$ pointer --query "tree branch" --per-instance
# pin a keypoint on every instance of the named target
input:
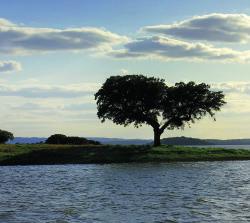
(163, 127)
(153, 123)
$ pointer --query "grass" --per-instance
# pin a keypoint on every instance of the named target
(23, 154)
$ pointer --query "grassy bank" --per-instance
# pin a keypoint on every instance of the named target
(67, 154)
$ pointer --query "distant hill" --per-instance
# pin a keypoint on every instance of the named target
(112, 141)
(185, 141)
(195, 141)
(27, 140)
(120, 141)
(168, 141)
(229, 141)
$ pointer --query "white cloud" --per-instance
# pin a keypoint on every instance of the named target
(55, 105)
(124, 71)
(36, 90)
(233, 87)
(72, 104)
(6, 23)
(16, 39)
(80, 107)
(172, 49)
(211, 27)
(10, 66)
(45, 111)
(237, 96)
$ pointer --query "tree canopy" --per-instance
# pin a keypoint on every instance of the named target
(5, 136)
(141, 100)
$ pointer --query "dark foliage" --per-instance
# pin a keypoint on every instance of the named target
(130, 99)
(70, 140)
(75, 140)
(5, 136)
(57, 139)
(147, 100)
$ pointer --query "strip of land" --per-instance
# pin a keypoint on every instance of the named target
(39, 154)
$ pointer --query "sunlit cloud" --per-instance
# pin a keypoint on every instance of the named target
(171, 49)
(6, 23)
(16, 39)
(233, 87)
(212, 27)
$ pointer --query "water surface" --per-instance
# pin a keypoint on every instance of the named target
(144, 193)
(223, 146)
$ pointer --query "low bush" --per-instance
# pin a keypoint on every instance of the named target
(5, 136)
(69, 140)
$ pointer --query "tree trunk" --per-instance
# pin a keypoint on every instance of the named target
(157, 137)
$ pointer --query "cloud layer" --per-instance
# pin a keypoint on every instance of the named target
(48, 91)
(233, 87)
(167, 48)
(10, 66)
(237, 96)
(15, 39)
(211, 27)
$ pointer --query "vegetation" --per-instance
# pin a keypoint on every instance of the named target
(5, 136)
(71, 154)
(147, 100)
(57, 139)
(69, 140)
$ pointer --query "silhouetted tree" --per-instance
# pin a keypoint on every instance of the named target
(147, 100)
(5, 136)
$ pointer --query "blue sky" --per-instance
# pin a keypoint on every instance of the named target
(55, 54)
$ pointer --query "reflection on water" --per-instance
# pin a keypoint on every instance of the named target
(172, 192)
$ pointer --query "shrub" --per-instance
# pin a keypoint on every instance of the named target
(74, 140)
(5, 136)
(57, 139)
(69, 140)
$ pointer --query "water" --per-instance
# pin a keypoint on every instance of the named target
(145, 193)
(224, 146)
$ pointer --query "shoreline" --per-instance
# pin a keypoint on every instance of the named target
(44, 154)
(130, 162)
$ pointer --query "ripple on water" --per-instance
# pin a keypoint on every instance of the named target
(173, 192)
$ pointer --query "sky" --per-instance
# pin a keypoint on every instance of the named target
(54, 55)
